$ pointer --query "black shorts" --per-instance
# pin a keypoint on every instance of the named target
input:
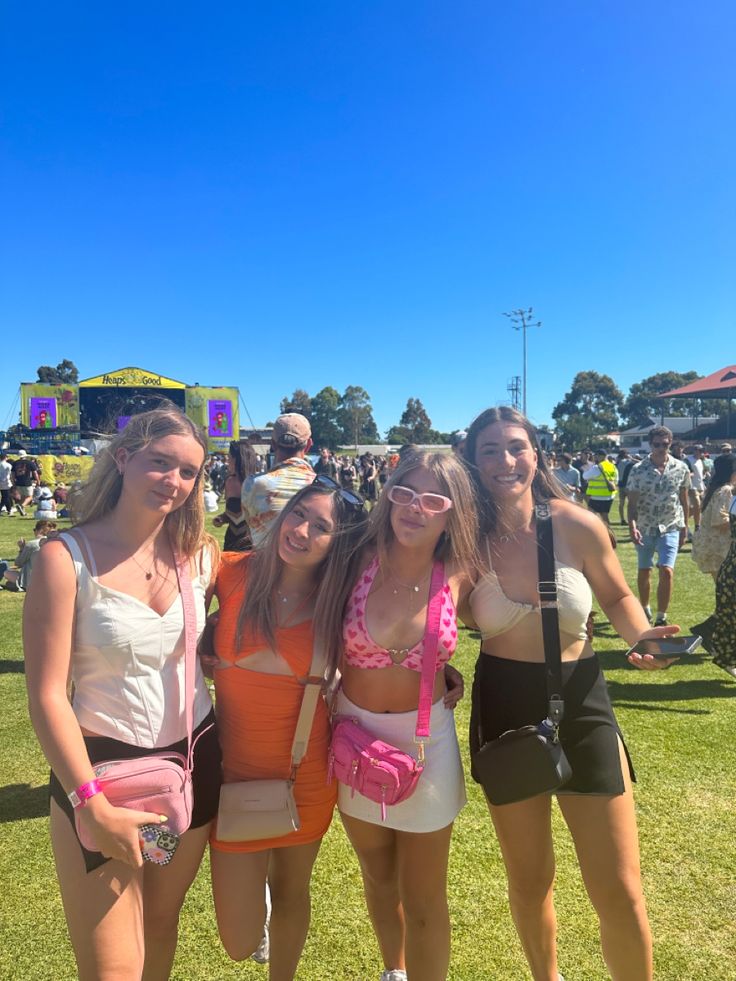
(600, 505)
(511, 694)
(206, 775)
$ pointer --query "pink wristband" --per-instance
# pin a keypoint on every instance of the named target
(80, 796)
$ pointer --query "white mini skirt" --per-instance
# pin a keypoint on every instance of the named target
(440, 793)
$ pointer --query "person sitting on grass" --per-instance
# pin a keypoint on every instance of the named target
(18, 578)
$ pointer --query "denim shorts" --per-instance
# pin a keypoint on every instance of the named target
(665, 545)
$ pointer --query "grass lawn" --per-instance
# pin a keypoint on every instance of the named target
(679, 728)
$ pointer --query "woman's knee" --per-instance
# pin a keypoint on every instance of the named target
(241, 940)
(530, 888)
(620, 897)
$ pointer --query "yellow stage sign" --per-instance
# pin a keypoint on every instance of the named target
(55, 469)
(131, 378)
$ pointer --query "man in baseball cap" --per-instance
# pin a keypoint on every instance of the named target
(264, 495)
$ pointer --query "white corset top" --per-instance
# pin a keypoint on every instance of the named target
(127, 661)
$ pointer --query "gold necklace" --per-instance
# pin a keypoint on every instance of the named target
(406, 585)
(149, 574)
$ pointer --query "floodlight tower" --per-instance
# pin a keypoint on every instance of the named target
(522, 320)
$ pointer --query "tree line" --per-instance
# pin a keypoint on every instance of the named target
(347, 419)
(595, 405)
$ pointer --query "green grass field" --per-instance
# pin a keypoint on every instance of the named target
(678, 725)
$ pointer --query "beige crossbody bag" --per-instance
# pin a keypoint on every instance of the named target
(251, 810)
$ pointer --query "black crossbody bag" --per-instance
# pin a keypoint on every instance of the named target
(525, 762)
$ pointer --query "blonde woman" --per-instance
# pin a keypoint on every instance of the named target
(425, 516)
(104, 609)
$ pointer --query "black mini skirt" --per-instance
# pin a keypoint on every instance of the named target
(206, 775)
(511, 694)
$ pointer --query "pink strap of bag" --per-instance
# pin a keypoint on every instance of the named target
(372, 767)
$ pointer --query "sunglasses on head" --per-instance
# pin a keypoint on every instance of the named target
(349, 497)
(432, 503)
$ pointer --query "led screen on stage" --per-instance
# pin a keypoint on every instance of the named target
(220, 414)
(43, 413)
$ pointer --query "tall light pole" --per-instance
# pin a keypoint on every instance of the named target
(522, 320)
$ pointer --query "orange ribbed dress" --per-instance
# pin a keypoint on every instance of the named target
(257, 714)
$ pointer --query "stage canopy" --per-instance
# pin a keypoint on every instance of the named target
(102, 406)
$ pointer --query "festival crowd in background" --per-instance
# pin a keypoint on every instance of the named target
(341, 584)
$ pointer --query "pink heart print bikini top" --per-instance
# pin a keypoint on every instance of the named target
(362, 651)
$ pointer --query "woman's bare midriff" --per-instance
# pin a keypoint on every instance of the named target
(392, 689)
(524, 643)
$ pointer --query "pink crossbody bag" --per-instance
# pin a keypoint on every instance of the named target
(372, 767)
(162, 782)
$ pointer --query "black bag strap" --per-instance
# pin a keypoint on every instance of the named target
(547, 588)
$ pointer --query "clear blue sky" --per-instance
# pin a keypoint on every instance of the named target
(283, 195)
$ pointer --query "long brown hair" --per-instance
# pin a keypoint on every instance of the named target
(101, 492)
(334, 577)
(458, 542)
(545, 486)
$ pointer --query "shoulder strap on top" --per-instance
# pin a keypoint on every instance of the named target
(429, 651)
(88, 549)
(83, 559)
(547, 588)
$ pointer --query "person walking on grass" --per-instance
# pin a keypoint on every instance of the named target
(657, 492)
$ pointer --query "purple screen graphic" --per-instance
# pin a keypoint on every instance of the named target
(220, 417)
(43, 413)
(123, 422)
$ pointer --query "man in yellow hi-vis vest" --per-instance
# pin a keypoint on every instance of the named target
(601, 484)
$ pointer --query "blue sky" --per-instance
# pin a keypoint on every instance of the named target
(291, 195)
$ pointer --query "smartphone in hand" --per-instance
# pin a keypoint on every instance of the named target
(158, 843)
(663, 648)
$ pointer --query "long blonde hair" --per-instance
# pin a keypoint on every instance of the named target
(334, 577)
(458, 543)
(100, 494)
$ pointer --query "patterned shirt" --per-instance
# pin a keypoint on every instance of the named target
(659, 508)
(266, 494)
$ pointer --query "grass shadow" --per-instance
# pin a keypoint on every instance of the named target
(674, 689)
(20, 801)
(12, 666)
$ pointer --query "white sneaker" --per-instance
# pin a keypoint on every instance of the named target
(395, 974)
(263, 951)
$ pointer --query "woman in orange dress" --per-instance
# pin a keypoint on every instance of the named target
(273, 603)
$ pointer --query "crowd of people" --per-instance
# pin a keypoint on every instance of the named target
(340, 591)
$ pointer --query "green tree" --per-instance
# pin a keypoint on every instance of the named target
(299, 402)
(323, 417)
(355, 417)
(642, 402)
(415, 426)
(591, 408)
(65, 373)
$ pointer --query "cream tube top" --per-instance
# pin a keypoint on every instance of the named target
(127, 661)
